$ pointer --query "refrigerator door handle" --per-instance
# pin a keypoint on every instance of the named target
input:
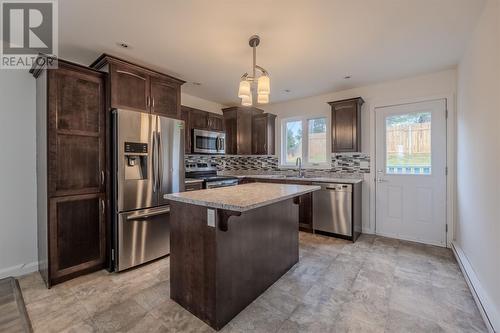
(154, 162)
(160, 159)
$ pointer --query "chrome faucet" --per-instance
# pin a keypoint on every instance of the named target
(298, 162)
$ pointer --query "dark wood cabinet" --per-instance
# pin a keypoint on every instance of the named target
(305, 201)
(215, 122)
(193, 186)
(76, 235)
(346, 125)
(238, 126)
(199, 119)
(139, 88)
(129, 87)
(186, 115)
(263, 130)
(71, 171)
(165, 97)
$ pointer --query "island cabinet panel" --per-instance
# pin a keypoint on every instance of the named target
(346, 125)
(215, 274)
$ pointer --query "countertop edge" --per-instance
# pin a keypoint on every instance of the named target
(174, 197)
(312, 179)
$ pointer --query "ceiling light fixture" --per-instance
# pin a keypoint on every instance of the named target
(248, 81)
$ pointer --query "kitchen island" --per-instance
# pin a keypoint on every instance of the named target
(229, 244)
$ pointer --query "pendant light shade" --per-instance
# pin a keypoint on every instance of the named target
(247, 100)
(264, 85)
(263, 99)
(244, 90)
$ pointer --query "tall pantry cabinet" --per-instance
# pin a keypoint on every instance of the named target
(71, 170)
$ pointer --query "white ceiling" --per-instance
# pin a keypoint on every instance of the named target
(307, 46)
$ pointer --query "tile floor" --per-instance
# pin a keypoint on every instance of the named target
(375, 285)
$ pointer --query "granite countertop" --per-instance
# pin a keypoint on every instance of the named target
(192, 180)
(242, 198)
(305, 179)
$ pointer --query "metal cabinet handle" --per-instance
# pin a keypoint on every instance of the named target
(148, 101)
(103, 206)
(102, 177)
(131, 74)
(153, 102)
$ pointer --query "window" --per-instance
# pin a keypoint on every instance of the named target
(408, 144)
(306, 138)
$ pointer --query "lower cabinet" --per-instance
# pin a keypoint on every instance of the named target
(76, 235)
(305, 201)
(193, 186)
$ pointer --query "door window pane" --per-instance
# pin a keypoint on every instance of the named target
(293, 137)
(408, 144)
(316, 145)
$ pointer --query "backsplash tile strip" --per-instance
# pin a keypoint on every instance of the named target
(348, 163)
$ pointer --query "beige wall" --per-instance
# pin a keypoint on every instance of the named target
(18, 239)
(478, 158)
(200, 103)
(440, 84)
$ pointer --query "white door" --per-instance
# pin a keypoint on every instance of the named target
(411, 172)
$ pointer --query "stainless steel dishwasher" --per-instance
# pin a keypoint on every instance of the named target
(335, 212)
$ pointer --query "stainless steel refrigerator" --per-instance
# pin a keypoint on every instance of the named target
(148, 162)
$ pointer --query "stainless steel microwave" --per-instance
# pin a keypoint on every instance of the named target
(208, 142)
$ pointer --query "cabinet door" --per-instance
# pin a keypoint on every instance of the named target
(345, 127)
(129, 88)
(259, 136)
(305, 212)
(244, 143)
(77, 235)
(215, 122)
(231, 129)
(76, 133)
(199, 119)
(185, 115)
(165, 98)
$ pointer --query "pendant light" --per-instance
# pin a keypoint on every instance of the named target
(247, 82)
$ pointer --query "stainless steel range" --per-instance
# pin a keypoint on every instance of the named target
(208, 173)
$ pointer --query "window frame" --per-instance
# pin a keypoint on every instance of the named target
(305, 140)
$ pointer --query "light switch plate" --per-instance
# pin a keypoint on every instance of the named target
(211, 217)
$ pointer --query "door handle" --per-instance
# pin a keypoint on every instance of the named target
(148, 214)
(381, 180)
(154, 162)
(159, 163)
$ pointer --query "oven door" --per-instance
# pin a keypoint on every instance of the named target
(208, 142)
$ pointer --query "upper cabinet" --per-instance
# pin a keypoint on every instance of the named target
(141, 89)
(199, 119)
(238, 125)
(249, 131)
(263, 128)
(346, 125)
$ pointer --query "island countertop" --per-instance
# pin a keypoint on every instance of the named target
(242, 198)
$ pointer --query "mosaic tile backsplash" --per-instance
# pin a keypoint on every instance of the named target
(352, 163)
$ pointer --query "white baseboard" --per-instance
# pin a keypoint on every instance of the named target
(19, 270)
(487, 308)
